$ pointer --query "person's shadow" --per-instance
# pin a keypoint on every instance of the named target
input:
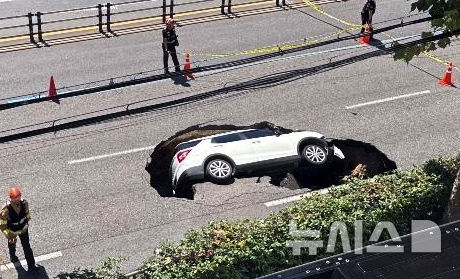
(39, 273)
(180, 80)
(378, 44)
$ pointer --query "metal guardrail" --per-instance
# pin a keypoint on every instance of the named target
(99, 18)
(15, 26)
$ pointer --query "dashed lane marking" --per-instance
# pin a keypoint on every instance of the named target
(389, 99)
(94, 158)
(294, 198)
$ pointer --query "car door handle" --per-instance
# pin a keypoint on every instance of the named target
(257, 141)
(218, 145)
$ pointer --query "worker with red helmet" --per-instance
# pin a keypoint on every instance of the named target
(14, 222)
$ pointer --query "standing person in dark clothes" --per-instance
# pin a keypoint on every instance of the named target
(14, 222)
(366, 15)
(169, 45)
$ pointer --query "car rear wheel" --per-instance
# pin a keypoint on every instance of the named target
(314, 154)
(219, 170)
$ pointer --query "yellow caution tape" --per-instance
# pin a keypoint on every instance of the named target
(306, 41)
(437, 58)
(286, 46)
(321, 11)
(280, 47)
(318, 9)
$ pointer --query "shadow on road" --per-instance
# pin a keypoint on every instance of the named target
(39, 273)
(180, 80)
(378, 44)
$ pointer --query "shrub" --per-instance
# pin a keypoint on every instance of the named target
(251, 248)
(109, 269)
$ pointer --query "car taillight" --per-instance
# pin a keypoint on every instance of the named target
(182, 155)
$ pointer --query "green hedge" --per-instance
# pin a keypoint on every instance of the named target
(251, 248)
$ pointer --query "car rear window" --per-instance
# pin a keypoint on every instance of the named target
(186, 145)
(226, 138)
(258, 133)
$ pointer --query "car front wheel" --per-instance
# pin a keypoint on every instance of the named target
(314, 154)
(219, 170)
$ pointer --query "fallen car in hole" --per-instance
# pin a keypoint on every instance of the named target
(221, 157)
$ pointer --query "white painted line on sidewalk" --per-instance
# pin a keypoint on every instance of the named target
(5, 1)
(285, 200)
(294, 198)
(94, 158)
(41, 258)
(389, 99)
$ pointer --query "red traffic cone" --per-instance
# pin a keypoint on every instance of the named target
(52, 92)
(447, 77)
(366, 39)
(188, 67)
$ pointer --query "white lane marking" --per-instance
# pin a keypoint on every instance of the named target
(294, 198)
(5, 1)
(285, 200)
(94, 158)
(389, 99)
(41, 258)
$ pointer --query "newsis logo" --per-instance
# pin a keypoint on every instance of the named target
(425, 238)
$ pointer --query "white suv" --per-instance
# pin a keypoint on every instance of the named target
(220, 157)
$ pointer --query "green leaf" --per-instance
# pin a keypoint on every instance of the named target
(444, 42)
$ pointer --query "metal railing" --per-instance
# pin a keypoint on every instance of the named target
(103, 17)
(25, 26)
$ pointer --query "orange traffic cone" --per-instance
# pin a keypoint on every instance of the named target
(447, 77)
(188, 67)
(366, 39)
(52, 92)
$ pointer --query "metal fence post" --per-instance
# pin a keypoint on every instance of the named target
(108, 18)
(222, 7)
(39, 24)
(99, 15)
(284, 3)
(31, 28)
(164, 11)
(171, 9)
(277, 3)
(229, 7)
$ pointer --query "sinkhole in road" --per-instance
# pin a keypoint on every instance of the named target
(361, 160)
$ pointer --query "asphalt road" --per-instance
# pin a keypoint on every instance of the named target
(90, 196)
(18, 7)
(103, 59)
(22, 7)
